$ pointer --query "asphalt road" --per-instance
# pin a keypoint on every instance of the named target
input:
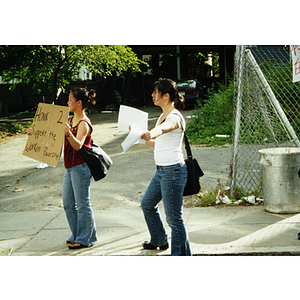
(23, 187)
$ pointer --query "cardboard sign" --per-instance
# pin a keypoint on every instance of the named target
(47, 137)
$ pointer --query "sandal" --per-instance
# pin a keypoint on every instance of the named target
(76, 245)
(68, 241)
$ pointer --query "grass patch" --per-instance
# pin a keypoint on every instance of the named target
(11, 129)
(220, 196)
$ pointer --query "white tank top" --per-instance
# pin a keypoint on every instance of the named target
(168, 146)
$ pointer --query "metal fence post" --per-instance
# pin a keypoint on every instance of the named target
(272, 98)
(266, 109)
(240, 63)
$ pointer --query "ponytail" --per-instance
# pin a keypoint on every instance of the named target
(179, 101)
(92, 96)
(86, 97)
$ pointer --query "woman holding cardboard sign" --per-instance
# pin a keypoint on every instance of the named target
(77, 176)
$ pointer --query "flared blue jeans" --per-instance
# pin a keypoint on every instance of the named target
(167, 184)
(77, 205)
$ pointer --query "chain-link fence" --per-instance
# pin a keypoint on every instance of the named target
(267, 107)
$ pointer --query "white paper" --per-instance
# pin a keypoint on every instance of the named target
(134, 137)
(128, 116)
(42, 166)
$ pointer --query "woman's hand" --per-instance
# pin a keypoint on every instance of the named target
(29, 131)
(146, 135)
(67, 129)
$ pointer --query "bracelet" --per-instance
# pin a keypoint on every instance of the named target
(68, 135)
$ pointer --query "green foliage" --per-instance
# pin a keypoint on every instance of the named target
(57, 65)
(106, 60)
(204, 199)
(214, 117)
(209, 197)
(281, 82)
(12, 129)
(279, 77)
(208, 60)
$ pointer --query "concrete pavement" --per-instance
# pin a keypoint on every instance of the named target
(33, 222)
(212, 231)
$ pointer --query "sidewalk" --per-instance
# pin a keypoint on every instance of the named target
(212, 231)
(33, 222)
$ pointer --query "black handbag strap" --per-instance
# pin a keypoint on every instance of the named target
(186, 141)
(189, 151)
(187, 147)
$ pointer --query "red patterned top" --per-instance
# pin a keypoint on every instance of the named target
(71, 156)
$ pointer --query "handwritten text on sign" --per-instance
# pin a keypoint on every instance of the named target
(46, 140)
(295, 51)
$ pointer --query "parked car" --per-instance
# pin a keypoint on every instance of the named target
(192, 90)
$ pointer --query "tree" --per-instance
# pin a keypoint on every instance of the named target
(57, 65)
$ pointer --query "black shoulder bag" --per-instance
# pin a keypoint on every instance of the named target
(97, 160)
(194, 171)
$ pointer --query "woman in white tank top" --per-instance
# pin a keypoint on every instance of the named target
(171, 173)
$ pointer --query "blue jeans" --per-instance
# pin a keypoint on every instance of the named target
(168, 184)
(77, 205)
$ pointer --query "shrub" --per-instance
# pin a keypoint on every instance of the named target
(213, 117)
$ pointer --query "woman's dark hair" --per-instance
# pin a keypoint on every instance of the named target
(86, 97)
(165, 85)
